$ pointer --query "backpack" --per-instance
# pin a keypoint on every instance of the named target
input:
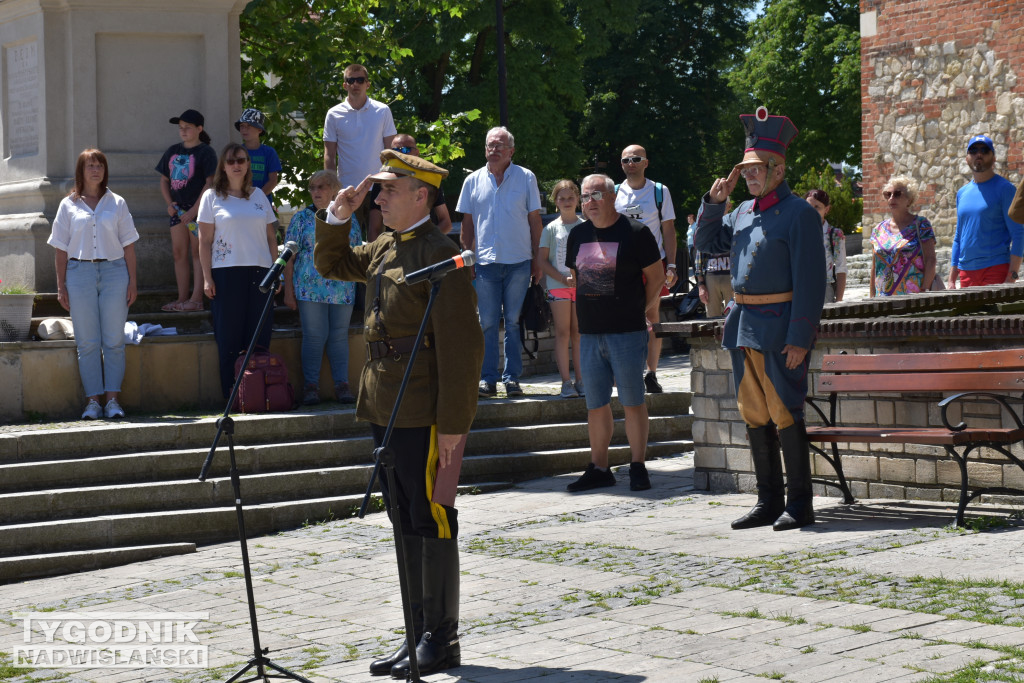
(659, 197)
(265, 387)
(535, 317)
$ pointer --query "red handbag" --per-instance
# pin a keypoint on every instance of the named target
(265, 387)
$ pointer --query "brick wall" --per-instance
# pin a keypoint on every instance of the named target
(934, 72)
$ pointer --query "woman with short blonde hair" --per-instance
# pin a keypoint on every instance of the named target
(903, 245)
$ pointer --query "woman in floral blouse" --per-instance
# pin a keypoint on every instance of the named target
(903, 245)
(325, 306)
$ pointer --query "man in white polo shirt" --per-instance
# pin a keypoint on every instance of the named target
(355, 132)
(649, 203)
(500, 207)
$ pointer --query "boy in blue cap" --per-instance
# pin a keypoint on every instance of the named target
(263, 160)
(778, 280)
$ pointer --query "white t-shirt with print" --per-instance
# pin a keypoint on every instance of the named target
(641, 205)
(240, 235)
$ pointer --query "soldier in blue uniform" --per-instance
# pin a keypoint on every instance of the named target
(778, 280)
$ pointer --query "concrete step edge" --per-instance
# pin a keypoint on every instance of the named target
(117, 469)
(51, 564)
(264, 488)
(130, 437)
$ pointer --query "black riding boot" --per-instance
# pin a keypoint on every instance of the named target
(764, 448)
(800, 499)
(439, 648)
(414, 573)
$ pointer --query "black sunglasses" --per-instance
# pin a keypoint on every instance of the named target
(356, 79)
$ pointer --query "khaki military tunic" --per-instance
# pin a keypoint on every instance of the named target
(443, 388)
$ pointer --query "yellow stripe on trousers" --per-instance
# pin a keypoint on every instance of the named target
(437, 510)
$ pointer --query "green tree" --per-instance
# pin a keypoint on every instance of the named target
(294, 53)
(846, 211)
(804, 62)
(661, 85)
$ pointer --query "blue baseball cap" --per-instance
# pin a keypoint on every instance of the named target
(983, 139)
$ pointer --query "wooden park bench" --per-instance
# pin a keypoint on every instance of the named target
(987, 376)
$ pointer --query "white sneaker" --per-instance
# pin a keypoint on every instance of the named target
(568, 390)
(93, 411)
(113, 409)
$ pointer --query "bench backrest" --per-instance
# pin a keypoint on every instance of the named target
(1001, 370)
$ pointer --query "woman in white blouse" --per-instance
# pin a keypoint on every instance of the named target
(95, 236)
(237, 244)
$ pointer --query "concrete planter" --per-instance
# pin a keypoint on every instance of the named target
(15, 317)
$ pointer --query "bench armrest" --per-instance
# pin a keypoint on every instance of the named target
(1001, 399)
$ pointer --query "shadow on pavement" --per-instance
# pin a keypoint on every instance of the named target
(472, 673)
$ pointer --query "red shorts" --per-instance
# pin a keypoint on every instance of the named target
(993, 275)
(664, 268)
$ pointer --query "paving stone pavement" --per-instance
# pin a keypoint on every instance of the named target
(601, 586)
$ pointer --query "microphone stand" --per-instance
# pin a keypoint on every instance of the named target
(385, 457)
(226, 425)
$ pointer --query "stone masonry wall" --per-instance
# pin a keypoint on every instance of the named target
(933, 73)
(722, 457)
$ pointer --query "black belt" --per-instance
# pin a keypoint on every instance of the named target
(394, 347)
(89, 260)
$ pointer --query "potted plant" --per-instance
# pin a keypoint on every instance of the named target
(15, 312)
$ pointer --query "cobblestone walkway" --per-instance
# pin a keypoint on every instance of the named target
(606, 586)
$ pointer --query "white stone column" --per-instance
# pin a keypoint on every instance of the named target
(109, 74)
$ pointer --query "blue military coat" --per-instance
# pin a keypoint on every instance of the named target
(775, 244)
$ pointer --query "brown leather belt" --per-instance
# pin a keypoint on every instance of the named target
(395, 348)
(760, 299)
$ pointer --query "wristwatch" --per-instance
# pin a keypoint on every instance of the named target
(1013, 274)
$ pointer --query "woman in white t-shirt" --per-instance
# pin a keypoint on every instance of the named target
(237, 244)
(566, 196)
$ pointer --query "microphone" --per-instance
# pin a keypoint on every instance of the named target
(439, 270)
(270, 279)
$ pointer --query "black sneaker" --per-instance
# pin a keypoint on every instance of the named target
(592, 478)
(651, 383)
(513, 389)
(638, 479)
(488, 389)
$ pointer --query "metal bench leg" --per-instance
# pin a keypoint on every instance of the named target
(961, 461)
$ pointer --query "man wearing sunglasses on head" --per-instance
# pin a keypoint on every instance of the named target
(406, 144)
(650, 203)
(355, 132)
(988, 243)
(778, 281)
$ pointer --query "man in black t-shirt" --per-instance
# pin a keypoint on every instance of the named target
(616, 269)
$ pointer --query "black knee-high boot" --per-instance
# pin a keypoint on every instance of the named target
(764, 449)
(439, 648)
(414, 573)
(800, 498)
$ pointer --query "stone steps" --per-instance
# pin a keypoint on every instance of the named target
(101, 495)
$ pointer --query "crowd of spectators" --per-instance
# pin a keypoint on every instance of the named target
(224, 233)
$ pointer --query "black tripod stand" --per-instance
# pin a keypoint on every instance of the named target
(385, 457)
(226, 425)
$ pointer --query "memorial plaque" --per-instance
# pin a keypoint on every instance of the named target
(22, 79)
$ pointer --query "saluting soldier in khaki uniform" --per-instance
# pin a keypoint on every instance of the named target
(440, 401)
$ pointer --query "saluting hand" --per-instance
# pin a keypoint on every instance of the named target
(349, 199)
(723, 187)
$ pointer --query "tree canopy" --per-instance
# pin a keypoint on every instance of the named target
(804, 61)
(585, 79)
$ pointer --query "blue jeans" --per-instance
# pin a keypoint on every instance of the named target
(98, 295)
(500, 291)
(619, 358)
(324, 325)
